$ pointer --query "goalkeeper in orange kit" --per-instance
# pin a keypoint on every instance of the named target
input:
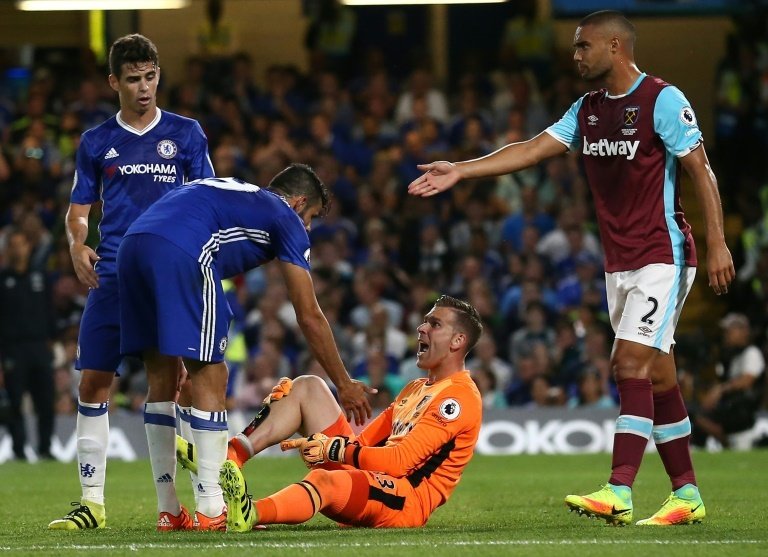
(401, 467)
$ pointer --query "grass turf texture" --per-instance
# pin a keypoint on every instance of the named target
(510, 505)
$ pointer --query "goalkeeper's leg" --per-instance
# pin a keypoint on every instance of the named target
(304, 405)
(335, 492)
(347, 496)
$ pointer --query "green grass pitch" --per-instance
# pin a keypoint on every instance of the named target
(511, 505)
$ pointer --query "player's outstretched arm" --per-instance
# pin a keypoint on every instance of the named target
(83, 257)
(442, 175)
(352, 394)
(720, 269)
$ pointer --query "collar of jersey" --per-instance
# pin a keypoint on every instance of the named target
(133, 130)
(635, 85)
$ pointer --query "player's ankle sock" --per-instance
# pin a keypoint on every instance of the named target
(160, 426)
(623, 491)
(688, 491)
(672, 433)
(92, 432)
(633, 429)
(185, 428)
(210, 435)
(294, 504)
(239, 450)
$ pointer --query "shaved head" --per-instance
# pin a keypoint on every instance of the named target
(615, 24)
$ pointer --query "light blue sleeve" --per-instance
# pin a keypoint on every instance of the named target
(566, 130)
(675, 122)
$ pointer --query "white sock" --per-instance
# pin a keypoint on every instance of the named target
(185, 429)
(92, 431)
(160, 425)
(210, 432)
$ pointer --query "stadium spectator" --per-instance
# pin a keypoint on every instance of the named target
(591, 393)
(730, 406)
(643, 364)
(484, 356)
(26, 335)
(485, 381)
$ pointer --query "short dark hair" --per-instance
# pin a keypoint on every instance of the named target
(467, 318)
(300, 179)
(610, 17)
(131, 49)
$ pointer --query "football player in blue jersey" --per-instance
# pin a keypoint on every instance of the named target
(170, 267)
(127, 162)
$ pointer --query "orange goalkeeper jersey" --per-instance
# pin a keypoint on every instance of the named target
(427, 435)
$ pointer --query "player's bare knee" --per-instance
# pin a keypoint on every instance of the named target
(306, 386)
(94, 386)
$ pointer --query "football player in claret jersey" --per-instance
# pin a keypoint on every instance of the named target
(170, 267)
(634, 134)
(127, 163)
(401, 467)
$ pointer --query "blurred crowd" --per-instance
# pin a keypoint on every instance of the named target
(523, 248)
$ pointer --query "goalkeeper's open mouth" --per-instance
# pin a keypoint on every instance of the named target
(423, 347)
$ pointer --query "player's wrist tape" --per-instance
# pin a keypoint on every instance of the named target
(352, 455)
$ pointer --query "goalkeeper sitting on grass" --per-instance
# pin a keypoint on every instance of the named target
(402, 466)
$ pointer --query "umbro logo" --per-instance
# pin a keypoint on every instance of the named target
(111, 154)
(592, 120)
(165, 479)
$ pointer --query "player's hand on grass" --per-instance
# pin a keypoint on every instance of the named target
(438, 177)
(318, 448)
(353, 398)
(83, 260)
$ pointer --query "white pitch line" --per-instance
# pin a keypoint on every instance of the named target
(353, 545)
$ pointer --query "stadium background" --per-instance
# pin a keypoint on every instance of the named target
(381, 258)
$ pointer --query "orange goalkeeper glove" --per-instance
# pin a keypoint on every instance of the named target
(318, 448)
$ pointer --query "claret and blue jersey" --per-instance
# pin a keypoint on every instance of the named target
(130, 169)
(630, 146)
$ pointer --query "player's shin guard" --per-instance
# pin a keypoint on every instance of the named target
(92, 431)
(672, 433)
(210, 432)
(633, 429)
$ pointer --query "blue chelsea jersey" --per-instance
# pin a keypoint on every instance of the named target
(130, 169)
(228, 224)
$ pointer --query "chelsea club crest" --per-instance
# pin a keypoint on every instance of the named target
(167, 149)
